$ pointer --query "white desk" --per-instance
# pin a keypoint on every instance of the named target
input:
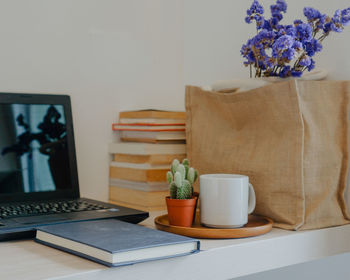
(220, 259)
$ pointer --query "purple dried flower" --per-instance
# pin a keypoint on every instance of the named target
(288, 54)
(313, 47)
(277, 47)
(287, 30)
(255, 12)
(284, 42)
(247, 52)
(248, 20)
(297, 22)
(282, 47)
(315, 16)
(320, 22)
(282, 5)
(345, 17)
(274, 21)
(311, 66)
(255, 8)
(276, 12)
(267, 25)
(297, 45)
(311, 13)
(285, 72)
(327, 27)
(304, 32)
(306, 61)
(269, 62)
(297, 74)
(279, 8)
(335, 25)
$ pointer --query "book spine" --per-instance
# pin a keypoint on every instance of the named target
(152, 114)
(151, 141)
(150, 199)
(139, 175)
(140, 186)
(143, 166)
(146, 149)
(149, 124)
(74, 252)
(117, 127)
(151, 159)
(137, 206)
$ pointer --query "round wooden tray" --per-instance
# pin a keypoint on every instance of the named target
(257, 225)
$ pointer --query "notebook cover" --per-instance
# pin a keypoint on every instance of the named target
(113, 236)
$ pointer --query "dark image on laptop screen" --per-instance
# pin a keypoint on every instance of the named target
(33, 148)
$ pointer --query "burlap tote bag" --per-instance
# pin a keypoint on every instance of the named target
(290, 138)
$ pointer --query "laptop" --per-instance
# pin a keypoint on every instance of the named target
(38, 169)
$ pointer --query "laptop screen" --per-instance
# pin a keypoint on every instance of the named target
(34, 153)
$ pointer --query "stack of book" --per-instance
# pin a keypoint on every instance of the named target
(151, 126)
(150, 141)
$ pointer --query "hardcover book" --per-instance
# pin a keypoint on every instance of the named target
(151, 159)
(137, 206)
(115, 243)
(140, 186)
(139, 165)
(151, 121)
(138, 175)
(146, 148)
(154, 114)
(138, 197)
(153, 136)
(148, 127)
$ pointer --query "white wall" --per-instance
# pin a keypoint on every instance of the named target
(108, 55)
(113, 55)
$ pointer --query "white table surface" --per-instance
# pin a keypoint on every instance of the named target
(219, 259)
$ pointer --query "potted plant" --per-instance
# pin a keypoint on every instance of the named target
(182, 201)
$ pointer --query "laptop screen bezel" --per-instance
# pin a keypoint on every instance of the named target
(48, 99)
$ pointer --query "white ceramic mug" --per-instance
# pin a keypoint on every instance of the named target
(225, 200)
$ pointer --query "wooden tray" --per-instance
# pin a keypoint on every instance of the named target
(256, 226)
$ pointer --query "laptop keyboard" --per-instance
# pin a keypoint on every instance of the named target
(44, 208)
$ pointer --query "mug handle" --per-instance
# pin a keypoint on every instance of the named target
(252, 199)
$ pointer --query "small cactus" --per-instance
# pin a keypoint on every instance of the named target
(169, 177)
(181, 179)
(173, 190)
(191, 175)
(174, 165)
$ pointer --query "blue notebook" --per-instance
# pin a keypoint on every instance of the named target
(115, 243)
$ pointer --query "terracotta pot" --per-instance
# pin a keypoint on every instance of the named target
(181, 211)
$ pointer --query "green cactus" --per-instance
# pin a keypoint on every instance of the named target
(173, 190)
(181, 179)
(178, 179)
(169, 177)
(174, 165)
(185, 192)
(191, 175)
(182, 170)
(186, 170)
